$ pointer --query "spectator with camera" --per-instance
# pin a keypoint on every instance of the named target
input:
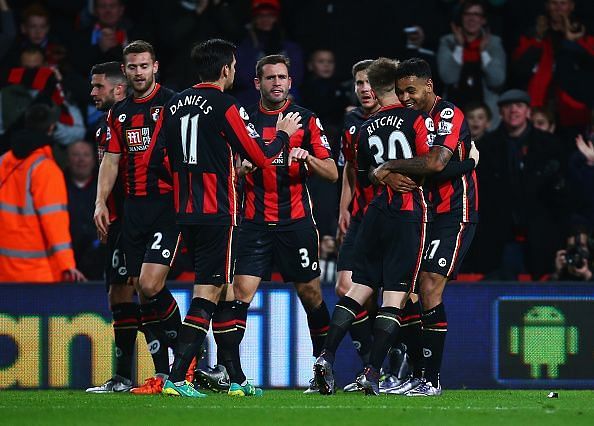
(574, 262)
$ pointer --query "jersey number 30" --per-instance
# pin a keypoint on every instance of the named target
(395, 136)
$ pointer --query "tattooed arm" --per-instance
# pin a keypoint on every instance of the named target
(432, 162)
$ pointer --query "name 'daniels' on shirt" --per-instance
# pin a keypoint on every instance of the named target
(196, 100)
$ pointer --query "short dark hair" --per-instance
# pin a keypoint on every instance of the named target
(40, 117)
(112, 70)
(472, 106)
(381, 74)
(467, 4)
(212, 55)
(272, 60)
(361, 66)
(414, 67)
(32, 49)
(139, 46)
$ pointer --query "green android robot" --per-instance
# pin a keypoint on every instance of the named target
(544, 339)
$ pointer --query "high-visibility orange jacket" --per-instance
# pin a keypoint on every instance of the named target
(35, 242)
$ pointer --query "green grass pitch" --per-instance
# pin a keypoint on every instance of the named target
(283, 408)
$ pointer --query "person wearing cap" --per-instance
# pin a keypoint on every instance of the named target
(35, 242)
(522, 194)
(265, 36)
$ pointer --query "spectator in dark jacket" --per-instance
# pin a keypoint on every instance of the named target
(522, 194)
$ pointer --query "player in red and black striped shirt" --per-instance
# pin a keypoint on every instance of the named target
(278, 227)
(355, 196)
(108, 87)
(454, 192)
(391, 238)
(202, 130)
(150, 234)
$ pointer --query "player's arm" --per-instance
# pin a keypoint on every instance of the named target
(108, 173)
(427, 163)
(242, 134)
(155, 157)
(349, 178)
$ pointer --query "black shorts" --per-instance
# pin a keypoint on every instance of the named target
(389, 251)
(212, 249)
(294, 252)
(116, 272)
(150, 233)
(346, 254)
(446, 246)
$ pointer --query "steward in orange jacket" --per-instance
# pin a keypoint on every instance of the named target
(35, 242)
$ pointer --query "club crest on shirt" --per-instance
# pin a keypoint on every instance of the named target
(252, 132)
(155, 111)
(138, 139)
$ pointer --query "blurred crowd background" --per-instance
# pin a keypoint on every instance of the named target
(536, 173)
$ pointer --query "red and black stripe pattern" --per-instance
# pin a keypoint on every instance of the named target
(457, 197)
(44, 82)
(365, 191)
(115, 201)
(278, 195)
(131, 124)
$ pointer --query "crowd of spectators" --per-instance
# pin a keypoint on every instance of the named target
(521, 71)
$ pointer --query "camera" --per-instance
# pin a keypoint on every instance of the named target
(576, 254)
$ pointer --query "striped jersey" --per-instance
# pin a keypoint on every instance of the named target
(202, 130)
(278, 195)
(457, 197)
(131, 125)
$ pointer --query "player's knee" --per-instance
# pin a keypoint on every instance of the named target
(431, 289)
(121, 293)
(151, 282)
(343, 283)
(310, 293)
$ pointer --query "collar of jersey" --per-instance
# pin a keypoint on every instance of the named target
(437, 99)
(149, 97)
(273, 111)
(389, 107)
(207, 86)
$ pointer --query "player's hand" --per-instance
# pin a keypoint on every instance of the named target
(474, 153)
(298, 154)
(246, 168)
(101, 218)
(586, 148)
(381, 173)
(400, 183)
(289, 123)
(344, 220)
(73, 275)
(560, 261)
(101, 237)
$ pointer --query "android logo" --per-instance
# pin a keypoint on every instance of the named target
(544, 339)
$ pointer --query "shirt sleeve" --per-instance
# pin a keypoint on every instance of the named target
(448, 126)
(242, 135)
(320, 148)
(113, 142)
